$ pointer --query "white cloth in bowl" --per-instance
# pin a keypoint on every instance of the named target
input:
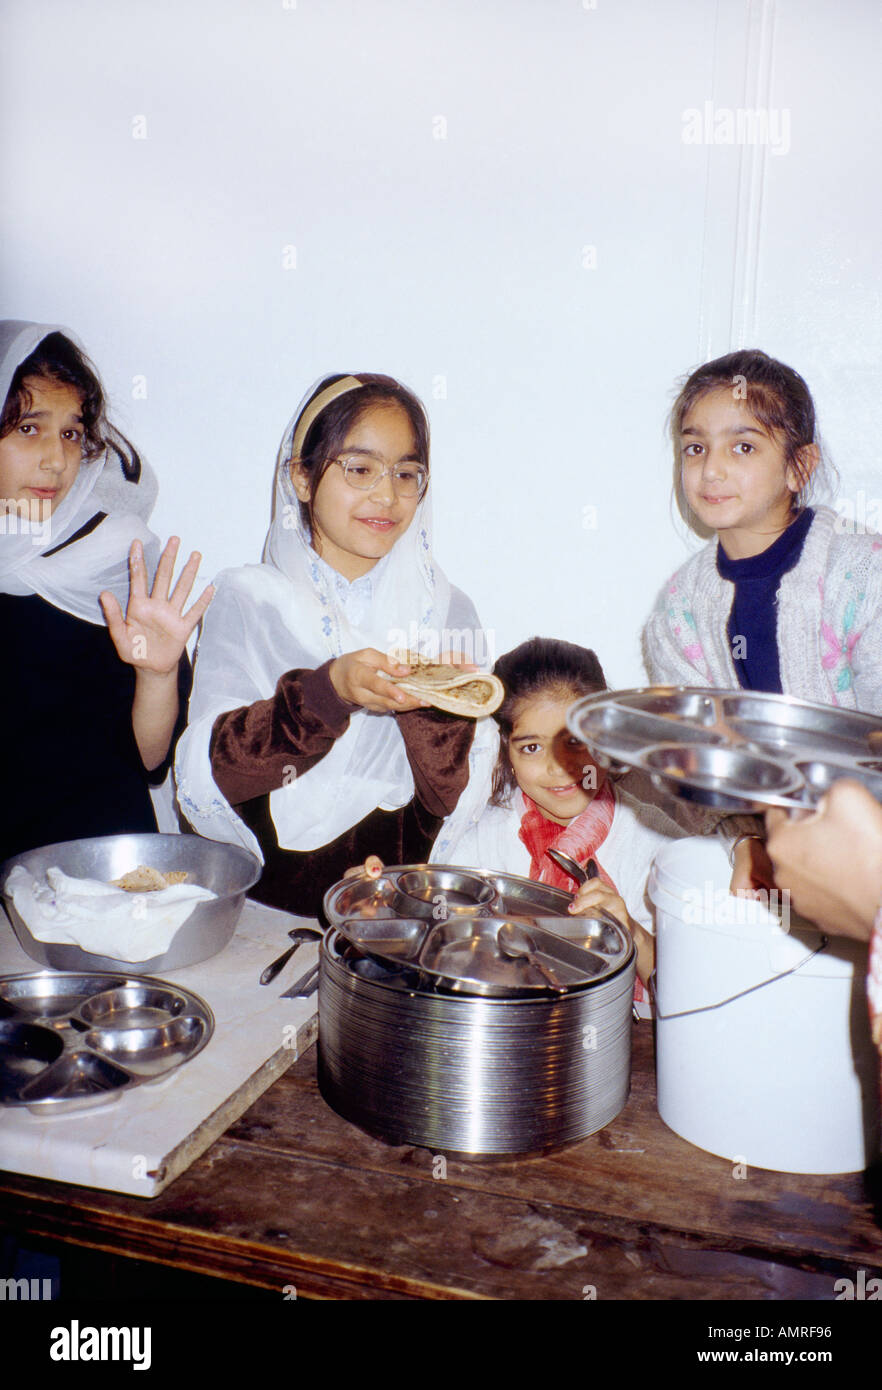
(99, 918)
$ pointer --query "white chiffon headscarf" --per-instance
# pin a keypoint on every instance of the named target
(286, 614)
(73, 578)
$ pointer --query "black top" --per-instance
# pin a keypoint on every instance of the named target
(753, 621)
(69, 766)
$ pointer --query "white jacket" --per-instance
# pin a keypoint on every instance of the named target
(639, 829)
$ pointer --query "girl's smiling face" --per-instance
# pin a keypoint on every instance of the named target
(550, 764)
(352, 529)
(41, 456)
(736, 477)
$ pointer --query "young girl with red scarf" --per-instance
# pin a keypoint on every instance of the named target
(545, 792)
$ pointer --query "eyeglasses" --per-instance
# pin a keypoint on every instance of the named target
(365, 472)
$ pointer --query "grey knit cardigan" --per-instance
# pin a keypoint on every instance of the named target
(829, 624)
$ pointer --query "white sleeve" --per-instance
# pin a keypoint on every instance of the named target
(220, 682)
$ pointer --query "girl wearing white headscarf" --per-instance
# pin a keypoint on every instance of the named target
(298, 747)
(94, 662)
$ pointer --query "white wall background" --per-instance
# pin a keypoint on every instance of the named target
(441, 170)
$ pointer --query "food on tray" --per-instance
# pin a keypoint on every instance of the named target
(147, 880)
(471, 694)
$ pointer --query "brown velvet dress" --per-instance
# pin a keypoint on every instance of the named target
(258, 748)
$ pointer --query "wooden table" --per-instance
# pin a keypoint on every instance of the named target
(295, 1201)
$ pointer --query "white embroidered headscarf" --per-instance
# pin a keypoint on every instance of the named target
(118, 483)
(295, 612)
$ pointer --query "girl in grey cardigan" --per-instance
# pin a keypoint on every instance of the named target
(786, 598)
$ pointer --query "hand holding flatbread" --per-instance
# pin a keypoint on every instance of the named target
(469, 694)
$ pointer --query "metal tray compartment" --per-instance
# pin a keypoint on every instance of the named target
(68, 1041)
(436, 892)
(426, 891)
(477, 933)
(468, 954)
(736, 750)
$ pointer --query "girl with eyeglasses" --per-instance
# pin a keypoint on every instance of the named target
(298, 746)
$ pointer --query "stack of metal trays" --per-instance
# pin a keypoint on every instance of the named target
(70, 1041)
(739, 750)
(472, 1034)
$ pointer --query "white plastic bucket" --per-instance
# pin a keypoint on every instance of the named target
(784, 1076)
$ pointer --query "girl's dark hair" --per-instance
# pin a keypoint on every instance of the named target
(327, 433)
(542, 666)
(57, 359)
(775, 395)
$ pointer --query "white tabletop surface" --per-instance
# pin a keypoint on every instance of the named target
(142, 1140)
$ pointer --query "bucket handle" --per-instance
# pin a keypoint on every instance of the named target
(705, 1008)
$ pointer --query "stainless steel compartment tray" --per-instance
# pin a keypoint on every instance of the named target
(437, 892)
(459, 950)
(738, 750)
(71, 1041)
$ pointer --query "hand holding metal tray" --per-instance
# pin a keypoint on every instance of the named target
(738, 750)
(440, 925)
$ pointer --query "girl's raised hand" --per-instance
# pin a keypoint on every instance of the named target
(154, 631)
(356, 678)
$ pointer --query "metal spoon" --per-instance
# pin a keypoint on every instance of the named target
(569, 866)
(513, 951)
(298, 935)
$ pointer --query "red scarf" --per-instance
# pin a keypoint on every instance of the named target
(581, 839)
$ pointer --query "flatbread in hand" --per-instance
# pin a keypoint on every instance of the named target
(147, 880)
(470, 694)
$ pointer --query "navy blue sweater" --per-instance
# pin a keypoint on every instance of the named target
(752, 626)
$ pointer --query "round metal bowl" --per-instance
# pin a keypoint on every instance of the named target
(423, 890)
(227, 870)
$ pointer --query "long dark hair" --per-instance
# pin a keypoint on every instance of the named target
(327, 433)
(542, 666)
(56, 358)
(776, 396)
